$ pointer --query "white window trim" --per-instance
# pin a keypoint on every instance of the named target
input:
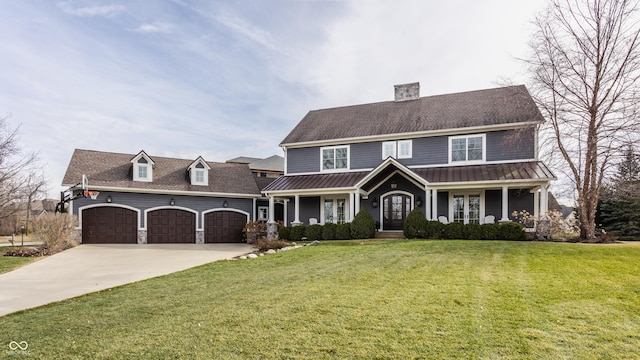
(334, 199)
(136, 172)
(384, 145)
(194, 178)
(322, 149)
(467, 162)
(408, 156)
(262, 209)
(396, 149)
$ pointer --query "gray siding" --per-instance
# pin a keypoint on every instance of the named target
(511, 144)
(147, 201)
(309, 208)
(493, 203)
(501, 146)
(303, 160)
(428, 151)
(443, 204)
(366, 155)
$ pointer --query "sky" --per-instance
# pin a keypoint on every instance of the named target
(222, 79)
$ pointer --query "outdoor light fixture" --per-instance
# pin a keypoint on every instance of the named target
(374, 202)
(172, 202)
(419, 201)
(225, 204)
(109, 199)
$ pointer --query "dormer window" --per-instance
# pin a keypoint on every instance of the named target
(142, 167)
(199, 172)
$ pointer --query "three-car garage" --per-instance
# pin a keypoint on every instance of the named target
(119, 225)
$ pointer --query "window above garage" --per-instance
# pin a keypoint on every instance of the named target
(199, 172)
(142, 167)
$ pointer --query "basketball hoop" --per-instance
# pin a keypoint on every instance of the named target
(92, 194)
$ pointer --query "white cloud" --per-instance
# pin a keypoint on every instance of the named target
(156, 27)
(90, 11)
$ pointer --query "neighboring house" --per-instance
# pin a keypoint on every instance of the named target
(152, 199)
(20, 215)
(271, 167)
(468, 157)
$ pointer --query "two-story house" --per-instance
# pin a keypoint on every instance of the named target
(468, 157)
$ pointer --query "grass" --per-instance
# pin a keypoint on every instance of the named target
(372, 299)
(8, 263)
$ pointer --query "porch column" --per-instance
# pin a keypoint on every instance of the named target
(427, 203)
(296, 212)
(505, 204)
(255, 207)
(272, 227)
(271, 208)
(544, 200)
(356, 208)
(434, 204)
(286, 212)
(352, 203)
(536, 204)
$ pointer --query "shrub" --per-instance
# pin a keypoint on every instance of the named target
(434, 230)
(491, 231)
(329, 231)
(253, 230)
(415, 225)
(284, 233)
(297, 233)
(343, 231)
(313, 232)
(56, 231)
(453, 230)
(511, 231)
(263, 244)
(474, 232)
(363, 226)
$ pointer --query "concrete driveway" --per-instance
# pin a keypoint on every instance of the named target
(89, 268)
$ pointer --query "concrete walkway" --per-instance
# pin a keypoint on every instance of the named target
(88, 268)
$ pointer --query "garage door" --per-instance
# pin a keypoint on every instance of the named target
(171, 226)
(109, 225)
(224, 227)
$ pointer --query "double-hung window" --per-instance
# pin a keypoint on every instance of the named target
(335, 158)
(467, 149)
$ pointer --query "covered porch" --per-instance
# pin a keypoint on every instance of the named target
(466, 194)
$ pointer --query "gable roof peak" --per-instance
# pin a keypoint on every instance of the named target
(142, 154)
(199, 160)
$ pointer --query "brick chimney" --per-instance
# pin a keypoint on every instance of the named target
(405, 92)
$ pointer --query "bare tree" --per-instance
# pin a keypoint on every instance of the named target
(16, 168)
(585, 67)
(33, 186)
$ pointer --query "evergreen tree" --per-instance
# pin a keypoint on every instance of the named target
(619, 208)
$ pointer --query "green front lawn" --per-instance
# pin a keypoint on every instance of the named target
(370, 299)
(8, 263)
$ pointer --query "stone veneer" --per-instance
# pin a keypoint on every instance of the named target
(200, 237)
(142, 236)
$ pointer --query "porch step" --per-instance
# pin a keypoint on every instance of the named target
(389, 235)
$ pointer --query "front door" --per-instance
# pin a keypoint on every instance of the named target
(466, 208)
(395, 209)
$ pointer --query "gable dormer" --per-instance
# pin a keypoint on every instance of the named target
(142, 167)
(199, 172)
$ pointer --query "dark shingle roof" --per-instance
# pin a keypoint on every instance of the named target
(114, 170)
(505, 105)
(522, 171)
